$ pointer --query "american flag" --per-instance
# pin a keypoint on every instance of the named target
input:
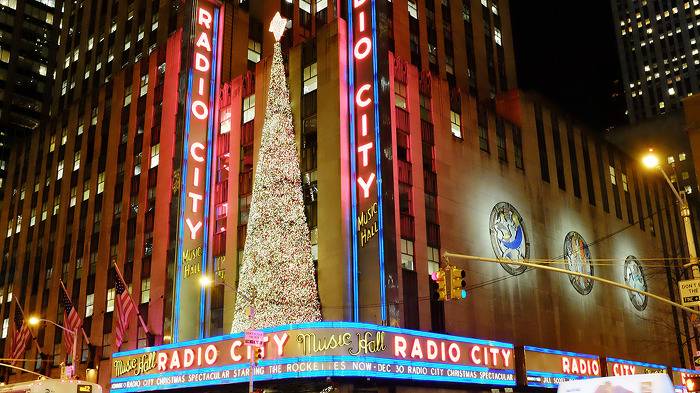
(124, 308)
(71, 321)
(21, 336)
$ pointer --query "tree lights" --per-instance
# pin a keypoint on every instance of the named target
(277, 274)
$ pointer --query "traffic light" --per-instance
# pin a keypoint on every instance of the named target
(692, 384)
(458, 283)
(440, 286)
(257, 354)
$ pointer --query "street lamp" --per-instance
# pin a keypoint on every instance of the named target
(34, 321)
(651, 161)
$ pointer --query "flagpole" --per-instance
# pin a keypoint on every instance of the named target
(38, 347)
(138, 313)
(65, 291)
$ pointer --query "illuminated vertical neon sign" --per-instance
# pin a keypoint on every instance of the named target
(199, 115)
(365, 161)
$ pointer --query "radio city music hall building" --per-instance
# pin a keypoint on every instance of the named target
(413, 140)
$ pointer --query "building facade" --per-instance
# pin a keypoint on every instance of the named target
(463, 162)
(27, 51)
(658, 51)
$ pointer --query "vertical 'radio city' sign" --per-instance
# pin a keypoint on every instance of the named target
(197, 155)
(365, 162)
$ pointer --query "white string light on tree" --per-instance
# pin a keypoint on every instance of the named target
(276, 279)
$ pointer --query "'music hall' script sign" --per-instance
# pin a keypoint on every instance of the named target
(324, 349)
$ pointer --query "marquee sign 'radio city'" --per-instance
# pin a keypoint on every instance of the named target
(621, 367)
(313, 350)
(548, 367)
(368, 254)
(197, 157)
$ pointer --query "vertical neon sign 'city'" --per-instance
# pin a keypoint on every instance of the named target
(365, 162)
(197, 157)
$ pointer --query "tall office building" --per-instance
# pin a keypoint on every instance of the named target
(412, 142)
(659, 54)
(27, 51)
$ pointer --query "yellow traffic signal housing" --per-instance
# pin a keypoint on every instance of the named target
(440, 288)
(458, 283)
(257, 354)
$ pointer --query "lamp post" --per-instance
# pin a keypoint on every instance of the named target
(651, 161)
(34, 321)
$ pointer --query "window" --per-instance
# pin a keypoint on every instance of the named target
(501, 139)
(425, 108)
(76, 161)
(56, 203)
(127, 96)
(624, 182)
(541, 144)
(412, 9)
(433, 260)
(310, 78)
(407, 254)
(155, 155)
(89, 304)
(456, 124)
(497, 36)
(44, 213)
(145, 290)
(611, 170)
(86, 191)
(52, 143)
(59, 171)
(249, 108)
(400, 95)
(558, 154)
(573, 160)
(110, 300)
(64, 136)
(254, 50)
(225, 127)
(5, 327)
(144, 86)
(73, 196)
(32, 217)
(518, 147)
(101, 183)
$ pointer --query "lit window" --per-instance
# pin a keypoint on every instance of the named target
(110, 300)
(91, 42)
(59, 171)
(80, 129)
(321, 5)
(611, 169)
(101, 183)
(412, 9)
(52, 143)
(433, 260)
(11, 4)
(76, 161)
(64, 136)
(670, 160)
(32, 217)
(249, 108)
(73, 196)
(400, 95)
(254, 51)
(155, 155)
(456, 124)
(304, 5)
(407, 254)
(56, 205)
(681, 157)
(310, 78)
(5, 327)
(144, 86)
(624, 182)
(685, 175)
(154, 22)
(89, 304)
(18, 227)
(225, 120)
(44, 213)
(671, 91)
(127, 95)
(145, 290)
(86, 191)
(497, 36)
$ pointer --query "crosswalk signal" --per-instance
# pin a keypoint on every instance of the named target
(458, 287)
(440, 287)
(692, 384)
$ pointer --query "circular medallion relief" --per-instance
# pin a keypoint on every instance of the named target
(578, 259)
(508, 237)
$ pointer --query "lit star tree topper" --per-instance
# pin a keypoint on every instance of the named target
(276, 280)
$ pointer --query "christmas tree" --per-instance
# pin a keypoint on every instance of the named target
(276, 280)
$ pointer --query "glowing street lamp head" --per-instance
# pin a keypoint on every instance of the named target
(205, 281)
(34, 320)
(278, 25)
(650, 160)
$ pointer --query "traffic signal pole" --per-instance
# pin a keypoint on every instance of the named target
(448, 255)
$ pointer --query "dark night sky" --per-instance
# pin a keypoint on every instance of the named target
(566, 51)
